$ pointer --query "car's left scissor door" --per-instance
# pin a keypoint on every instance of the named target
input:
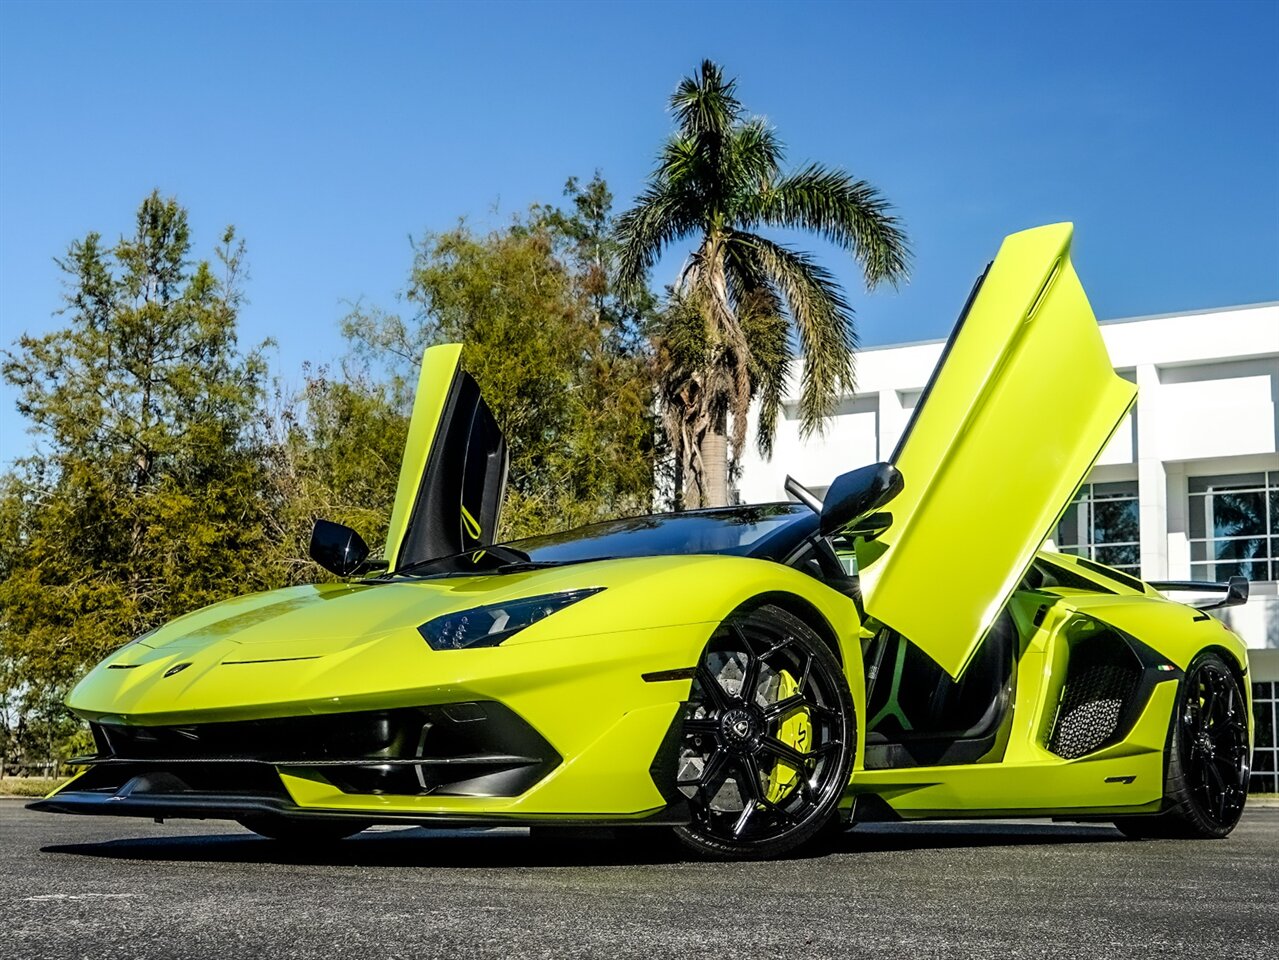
(453, 474)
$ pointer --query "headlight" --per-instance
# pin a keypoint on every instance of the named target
(489, 625)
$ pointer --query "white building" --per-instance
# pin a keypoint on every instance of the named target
(1187, 489)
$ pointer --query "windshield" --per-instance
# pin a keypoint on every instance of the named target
(731, 530)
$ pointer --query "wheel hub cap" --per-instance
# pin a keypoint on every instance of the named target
(740, 728)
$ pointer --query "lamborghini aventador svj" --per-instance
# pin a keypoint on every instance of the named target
(902, 647)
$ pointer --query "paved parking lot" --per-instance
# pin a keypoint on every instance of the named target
(88, 887)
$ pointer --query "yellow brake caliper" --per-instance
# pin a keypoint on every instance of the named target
(796, 731)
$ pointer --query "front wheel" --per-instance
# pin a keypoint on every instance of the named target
(1208, 763)
(769, 738)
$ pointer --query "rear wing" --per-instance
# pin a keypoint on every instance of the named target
(1235, 590)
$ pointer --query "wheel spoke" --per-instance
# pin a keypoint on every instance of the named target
(779, 709)
(740, 826)
(710, 688)
(713, 774)
(748, 767)
(1209, 704)
(802, 686)
(785, 752)
(778, 811)
(750, 679)
(1214, 774)
(702, 726)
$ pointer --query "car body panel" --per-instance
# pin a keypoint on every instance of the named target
(996, 448)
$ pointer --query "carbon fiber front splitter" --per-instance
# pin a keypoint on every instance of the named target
(194, 806)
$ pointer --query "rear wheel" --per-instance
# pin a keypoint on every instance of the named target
(302, 831)
(769, 737)
(1208, 764)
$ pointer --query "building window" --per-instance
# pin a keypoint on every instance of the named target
(1234, 526)
(1265, 754)
(1101, 524)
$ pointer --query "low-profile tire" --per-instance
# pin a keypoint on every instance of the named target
(300, 830)
(769, 739)
(1207, 765)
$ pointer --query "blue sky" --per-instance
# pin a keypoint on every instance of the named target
(331, 133)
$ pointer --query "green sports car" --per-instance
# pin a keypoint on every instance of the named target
(749, 676)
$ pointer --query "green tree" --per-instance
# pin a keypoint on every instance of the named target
(335, 453)
(562, 361)
(740, 295)
(149, 493)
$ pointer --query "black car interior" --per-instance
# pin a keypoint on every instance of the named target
(918, 715)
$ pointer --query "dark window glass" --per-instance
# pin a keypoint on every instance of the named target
(1233, 520)
(1115, 521)
(1238, 514)
(1068, 529)
(1102, 524)
(733, 530)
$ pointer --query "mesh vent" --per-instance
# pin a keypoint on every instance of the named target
(1101, 682)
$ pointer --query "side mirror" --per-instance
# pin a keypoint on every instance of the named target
(338, 549)
(857, 493)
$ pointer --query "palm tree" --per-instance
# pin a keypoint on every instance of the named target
(740, 296)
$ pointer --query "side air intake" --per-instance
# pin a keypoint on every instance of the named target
(1102, 682)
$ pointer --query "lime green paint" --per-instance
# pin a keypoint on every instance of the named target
(439, 367)
(1021, 408)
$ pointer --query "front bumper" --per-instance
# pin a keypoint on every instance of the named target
(581, 733)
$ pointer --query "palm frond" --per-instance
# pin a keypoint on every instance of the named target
(823, 322)
(767, 330)
(705, 103)
(660, 217)
(752, 157)
(848, 212)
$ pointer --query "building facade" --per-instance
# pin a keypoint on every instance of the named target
(1187, 489)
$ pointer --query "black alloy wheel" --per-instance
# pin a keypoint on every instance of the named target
(769, 738)
(1208, 762)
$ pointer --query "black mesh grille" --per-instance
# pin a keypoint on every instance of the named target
(1101, 682)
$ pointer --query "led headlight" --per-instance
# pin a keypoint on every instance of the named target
(489, 625)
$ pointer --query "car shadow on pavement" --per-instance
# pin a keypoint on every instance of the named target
(509, 847)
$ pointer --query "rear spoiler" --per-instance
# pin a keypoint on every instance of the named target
(1235, 590)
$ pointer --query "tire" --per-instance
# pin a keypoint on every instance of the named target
(769, 739)
(1207, 759)
(299, 831)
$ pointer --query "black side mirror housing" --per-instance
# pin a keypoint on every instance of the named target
(338, 549)
(857, 493)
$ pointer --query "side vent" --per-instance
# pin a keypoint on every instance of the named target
(1102, 682)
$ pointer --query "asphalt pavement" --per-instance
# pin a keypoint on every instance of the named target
(73, 887)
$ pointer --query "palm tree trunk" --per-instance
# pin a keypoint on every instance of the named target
(715, 465)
